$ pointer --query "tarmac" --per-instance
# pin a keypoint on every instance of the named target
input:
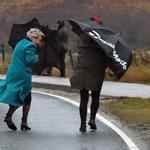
(109, 89)
(55, 126)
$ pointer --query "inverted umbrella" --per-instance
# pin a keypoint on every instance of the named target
(117, 51)
(18, 31)
(49, 54)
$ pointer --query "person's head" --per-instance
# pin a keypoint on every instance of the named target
(96, 19)
(36, 36)
(60, 24)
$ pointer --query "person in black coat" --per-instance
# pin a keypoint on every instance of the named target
(88, 75)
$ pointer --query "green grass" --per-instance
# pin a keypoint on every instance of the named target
(132, 111)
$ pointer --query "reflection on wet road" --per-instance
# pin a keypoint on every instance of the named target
(55, 126)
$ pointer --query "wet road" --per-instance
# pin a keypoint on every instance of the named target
(55, 126)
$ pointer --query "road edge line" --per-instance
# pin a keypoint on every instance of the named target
(131, 145)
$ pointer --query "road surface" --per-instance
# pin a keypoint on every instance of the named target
(55, 126)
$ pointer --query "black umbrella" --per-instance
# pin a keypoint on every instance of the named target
(18, 31)
(48, 55)
(117, 51)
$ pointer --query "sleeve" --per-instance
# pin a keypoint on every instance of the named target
(30, 55)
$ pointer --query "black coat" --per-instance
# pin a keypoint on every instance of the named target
(89, 70)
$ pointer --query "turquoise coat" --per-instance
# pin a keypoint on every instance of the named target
(17, 84)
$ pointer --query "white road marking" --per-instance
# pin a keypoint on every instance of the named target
(125, 137)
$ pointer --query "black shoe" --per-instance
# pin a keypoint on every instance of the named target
(9, 123)
(24, 125)
(82, 128)
(92, 124)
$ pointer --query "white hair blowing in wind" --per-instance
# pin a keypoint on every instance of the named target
(34, 32)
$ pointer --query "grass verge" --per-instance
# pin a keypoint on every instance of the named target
(132, 111)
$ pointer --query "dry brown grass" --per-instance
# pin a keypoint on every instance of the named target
(4, 65)
(3, 68)
(140, 73)
(56, 72)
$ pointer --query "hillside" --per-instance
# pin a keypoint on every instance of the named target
(115, 13)
(15, 9)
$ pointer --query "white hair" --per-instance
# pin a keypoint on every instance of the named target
(34, 32)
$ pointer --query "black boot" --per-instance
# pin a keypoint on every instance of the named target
(9, 122)
(94, 109)
(92, 124)
(82, 127)
(26, 108)
(24, 125)
(83, 114)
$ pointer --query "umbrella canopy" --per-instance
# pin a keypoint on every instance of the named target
(117, 51)
(18, 31)
(49, 54)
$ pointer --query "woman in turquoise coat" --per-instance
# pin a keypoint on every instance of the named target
(15, 90)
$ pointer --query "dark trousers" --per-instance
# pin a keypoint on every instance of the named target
(84, 98)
